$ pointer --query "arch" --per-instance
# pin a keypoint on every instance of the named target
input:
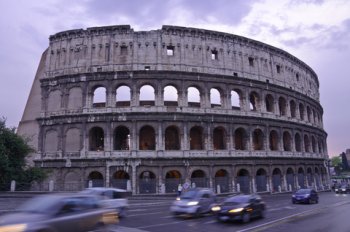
(72, 182)
(273, 141)
(301, 111)
(313, 144)
(219, 138)
(147, 95)
(121, 138)
(170, 96)
(282, 105)
(99, 97)
(75, 98)
(196, 138)
(309, 114)
(258, 140)
(243, 179)
(292, 106)
(72, 143)
(215, 98)
(123, 96)
(287, 141)
(297, 141)
(198, 179)
(193, 97)
(269, 103)
(51, 141)
(96, 139)
(236, 99)
(261, 180)
(120, 180)
(301, 178)
(147, 138)
(54, 101)
(290, 179)
(309, 175)
(254, 101)
(96, 178)
(221, 181)
(172, 138)
(276, 180)
(147, 182)
(306, 143)
(172, 179)
(240, 139)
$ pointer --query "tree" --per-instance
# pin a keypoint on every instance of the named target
(337, 164)
(13, 151)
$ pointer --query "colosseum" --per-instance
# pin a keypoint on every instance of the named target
(148, 110)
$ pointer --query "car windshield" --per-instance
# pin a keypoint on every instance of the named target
(189, 195)
(303, 191)
(237, 200)
(41, 204)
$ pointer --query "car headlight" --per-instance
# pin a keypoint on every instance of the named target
(293, 195)
(336, 189)
(307, 195)
(191, 203)
(178, 198)
(215, 208)
(13, 228)
(343, 189)
(236, 210)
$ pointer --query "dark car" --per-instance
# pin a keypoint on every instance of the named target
(240, 207)
(344, 188)
(55, 213)
(305, 196)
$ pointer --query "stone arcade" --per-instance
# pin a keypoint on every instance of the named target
(147, 110)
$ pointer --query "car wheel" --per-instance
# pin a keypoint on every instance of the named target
(245, 217)
(197, 214)
(294, 202)
(262, 214)
(309, 201)
(122, 212)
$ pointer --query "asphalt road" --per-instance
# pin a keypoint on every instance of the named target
(153, 215)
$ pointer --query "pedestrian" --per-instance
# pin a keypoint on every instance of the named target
(179, 189)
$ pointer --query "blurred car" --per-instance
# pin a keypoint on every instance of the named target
(111, 198)
(55, 212)
(194, 202)
(241, 208)
(305, 196)
(344, 188)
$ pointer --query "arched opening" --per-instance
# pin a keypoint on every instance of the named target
(170, 96)
(258, 140)
(287, 141)
(292, 105)
(198, 179)
(147, 96)
(96, 139)
(219, 138)
(317, 178)
(297, 141)
(123, 96)
(75, 98)
(290, 179)
(309, 114)
(282, 105)
(147, 138)
(196, 138)
(215, 98)
(269, 102)
(121, 138)
(72, 182)
(254, 101)
(313, 144)
(221, 181)
(193, 97)
(310, 180)
(235, 100)
(147, 182)
(172, 180)
(306, 143)
(54, 101)
(51, 141)
(301, 111)
(99, 97)
(72, 140)
(261, 180)
(120, 180)
(240, 139)
(172, 138)
(273, 141)
(96, 179)
(276, 180)
(301, 178)
(243, 181)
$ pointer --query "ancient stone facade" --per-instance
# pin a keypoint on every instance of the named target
(147, 110)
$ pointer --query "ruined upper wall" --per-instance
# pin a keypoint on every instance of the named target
(172, 48)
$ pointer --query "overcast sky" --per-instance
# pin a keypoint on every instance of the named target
(315, 31)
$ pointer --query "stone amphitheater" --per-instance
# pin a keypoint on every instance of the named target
(148, 110)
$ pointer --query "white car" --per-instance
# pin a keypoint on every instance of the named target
(111, 198)
(194, 202)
